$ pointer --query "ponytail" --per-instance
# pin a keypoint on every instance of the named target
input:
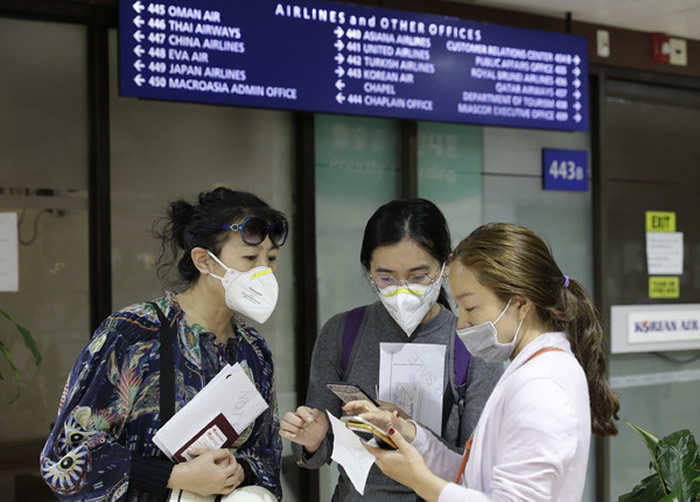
(575, 315)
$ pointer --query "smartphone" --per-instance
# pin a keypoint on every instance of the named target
(367, 430)
(350, 392)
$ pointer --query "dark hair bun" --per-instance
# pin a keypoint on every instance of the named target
(180, 215)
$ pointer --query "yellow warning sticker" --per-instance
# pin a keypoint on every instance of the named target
(664, 287)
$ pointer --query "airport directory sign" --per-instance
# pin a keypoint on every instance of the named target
(349, 59)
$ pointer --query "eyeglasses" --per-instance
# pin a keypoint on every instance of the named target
(255, 230)
(390, 285)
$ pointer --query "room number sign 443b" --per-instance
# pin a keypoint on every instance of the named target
(565, 169)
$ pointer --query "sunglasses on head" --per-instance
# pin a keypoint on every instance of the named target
(255, 230)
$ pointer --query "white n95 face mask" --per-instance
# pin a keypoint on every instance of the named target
(407, 306)
(253, 293)
(482, 340)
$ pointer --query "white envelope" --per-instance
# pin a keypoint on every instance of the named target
(231, 394)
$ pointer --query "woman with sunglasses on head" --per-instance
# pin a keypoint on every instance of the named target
(101, 447)
(404, 250)
(532, 440)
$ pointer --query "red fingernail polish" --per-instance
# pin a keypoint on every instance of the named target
(391, 431)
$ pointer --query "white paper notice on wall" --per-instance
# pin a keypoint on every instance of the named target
(665, 253)
(9, 252)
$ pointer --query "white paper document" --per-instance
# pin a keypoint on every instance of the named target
(215, 417)
(665, 253)
(349, 452)
(411, 376)
(9, 254)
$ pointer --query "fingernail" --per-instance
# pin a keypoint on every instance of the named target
(310, 420)
(391, 431)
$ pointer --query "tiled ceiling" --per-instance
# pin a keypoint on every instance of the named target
(673, 17)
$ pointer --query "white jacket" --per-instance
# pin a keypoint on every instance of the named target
(531, 442)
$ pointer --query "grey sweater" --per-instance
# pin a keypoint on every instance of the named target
(379, 327)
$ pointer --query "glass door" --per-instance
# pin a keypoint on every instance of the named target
(44, 182)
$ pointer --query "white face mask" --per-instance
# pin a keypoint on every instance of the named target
(253, 293)
(407, 306)
(482, 340)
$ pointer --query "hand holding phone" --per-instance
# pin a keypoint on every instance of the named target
(367, 430)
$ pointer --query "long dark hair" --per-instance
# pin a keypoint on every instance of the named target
(187, 226)
(416, 219)
(514, 261)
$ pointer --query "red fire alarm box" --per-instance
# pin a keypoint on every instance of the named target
(660, 47)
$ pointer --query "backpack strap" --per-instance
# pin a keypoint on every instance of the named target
(352, 327)
(167, 366)
(462, 360)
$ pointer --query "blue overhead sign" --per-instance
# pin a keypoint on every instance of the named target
(565, 169)
(349, 59)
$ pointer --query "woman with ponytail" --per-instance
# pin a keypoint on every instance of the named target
(532, 440)
(116, 397)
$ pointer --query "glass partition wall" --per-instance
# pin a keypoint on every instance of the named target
(44, 180)
(650, 149)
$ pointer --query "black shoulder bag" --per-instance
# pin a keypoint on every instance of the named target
(167, 366)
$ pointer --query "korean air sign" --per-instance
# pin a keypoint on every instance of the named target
(655, 328)
(671, 325)
(666, 326)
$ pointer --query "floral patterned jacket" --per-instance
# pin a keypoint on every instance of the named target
(109, 410)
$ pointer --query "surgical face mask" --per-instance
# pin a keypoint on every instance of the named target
(482, 340)
(253, 293)
(409, 304)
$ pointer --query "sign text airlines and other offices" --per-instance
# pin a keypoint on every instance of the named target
(348, 59)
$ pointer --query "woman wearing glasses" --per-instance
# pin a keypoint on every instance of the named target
(101, 447)
(404, 250)
(531, 443)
